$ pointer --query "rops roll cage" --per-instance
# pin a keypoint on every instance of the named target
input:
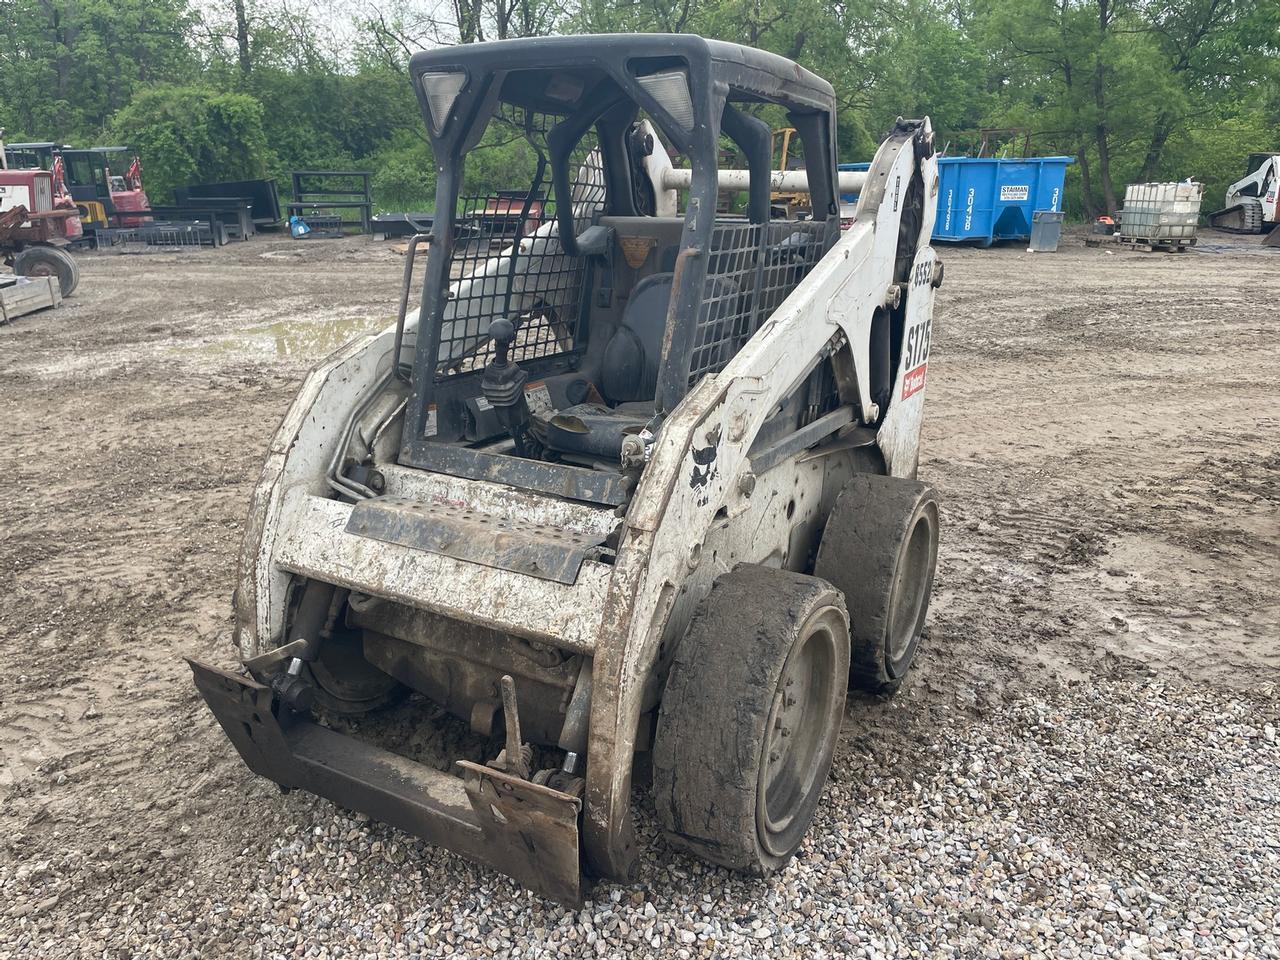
(603, 82)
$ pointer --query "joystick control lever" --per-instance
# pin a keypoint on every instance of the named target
(503, 386)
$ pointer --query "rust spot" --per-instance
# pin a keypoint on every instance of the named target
(677, 277)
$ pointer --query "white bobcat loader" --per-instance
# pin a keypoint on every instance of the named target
(1253, 201)
(634, 486)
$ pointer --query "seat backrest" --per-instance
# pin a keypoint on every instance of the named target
(629, 369)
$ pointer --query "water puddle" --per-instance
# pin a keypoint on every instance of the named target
(294, 337)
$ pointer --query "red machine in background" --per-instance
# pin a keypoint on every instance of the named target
(33, 232)
(72, 228)
(127, 195)
(102, 198)
(27, 157)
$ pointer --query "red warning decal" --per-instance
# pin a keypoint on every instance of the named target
(913, 381)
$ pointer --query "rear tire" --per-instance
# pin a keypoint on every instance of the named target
(750, 718)
(42, 261)
(880, 549)
(346, 683)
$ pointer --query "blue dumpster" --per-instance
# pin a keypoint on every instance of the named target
(986, 198)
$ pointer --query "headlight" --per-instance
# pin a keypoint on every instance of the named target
(671, 89)
(442, 89)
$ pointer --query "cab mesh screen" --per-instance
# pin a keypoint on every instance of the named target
(751, 269)
(506, 259)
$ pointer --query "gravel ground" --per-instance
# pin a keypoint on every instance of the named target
(1086, 763)
(1128, 818)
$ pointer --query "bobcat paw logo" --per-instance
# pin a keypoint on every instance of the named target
(704, 471)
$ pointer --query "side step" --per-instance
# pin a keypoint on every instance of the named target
(520, 828)
(551, 553)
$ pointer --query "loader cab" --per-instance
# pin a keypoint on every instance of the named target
(30, 156)
(587, 282)
(1256, 162)
(106, 185)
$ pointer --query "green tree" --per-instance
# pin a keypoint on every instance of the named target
(67, 65)
(1116, 82)
(1216, 51)
(193, 134)
(917, 58)
(1132, 89)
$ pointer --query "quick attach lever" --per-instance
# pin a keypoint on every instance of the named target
(516, 755)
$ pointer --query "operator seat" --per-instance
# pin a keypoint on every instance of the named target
(629, 368)
(628, 378)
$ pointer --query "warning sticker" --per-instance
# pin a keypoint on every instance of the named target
(635, 250)
(539, 398)
(1014, 192)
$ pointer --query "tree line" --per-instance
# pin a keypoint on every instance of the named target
(1132, 90)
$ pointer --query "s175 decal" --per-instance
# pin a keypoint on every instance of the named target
(916, 356)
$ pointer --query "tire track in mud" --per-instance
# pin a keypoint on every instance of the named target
(136, 456)
(1110, 501)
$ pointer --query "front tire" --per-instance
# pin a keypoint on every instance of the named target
(42, 261)
(750, 718)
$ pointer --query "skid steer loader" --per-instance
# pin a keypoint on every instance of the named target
(636, 489)
(1253, 201)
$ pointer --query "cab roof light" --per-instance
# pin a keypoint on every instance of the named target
(442, 89)
(671, 89)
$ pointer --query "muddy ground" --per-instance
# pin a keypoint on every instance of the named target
(1102, 427)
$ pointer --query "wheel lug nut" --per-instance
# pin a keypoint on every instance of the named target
(786, 732)
(774, 755)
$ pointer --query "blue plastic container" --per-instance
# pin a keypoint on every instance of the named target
(984, 199)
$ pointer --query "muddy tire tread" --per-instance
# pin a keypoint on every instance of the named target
(727, 666)
(858, 555)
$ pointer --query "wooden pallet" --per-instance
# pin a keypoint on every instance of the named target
(22, 295)
(1169, 245)
(1137, 243)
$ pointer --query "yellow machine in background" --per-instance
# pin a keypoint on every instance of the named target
(787, 204)
(92, 214)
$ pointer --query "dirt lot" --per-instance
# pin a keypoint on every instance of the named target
(1099, 678)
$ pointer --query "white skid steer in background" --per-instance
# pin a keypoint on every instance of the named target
(635, 484)
(1253, 201)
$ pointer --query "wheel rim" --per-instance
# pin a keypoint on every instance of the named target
(41, 269)
(910, 601)
(348, 681)
(799, 738)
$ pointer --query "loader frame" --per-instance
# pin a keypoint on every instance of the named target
(718, 485)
